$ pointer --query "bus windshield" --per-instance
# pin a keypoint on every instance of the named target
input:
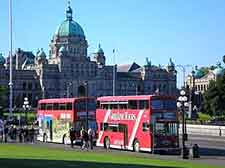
(82, 123)
(163, 104)
(83, 104)
(166, 129)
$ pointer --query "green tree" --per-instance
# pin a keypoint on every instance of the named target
(214, 98)
(224, 59)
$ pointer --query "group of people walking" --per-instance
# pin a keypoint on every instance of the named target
(86, 136)
(13, 133)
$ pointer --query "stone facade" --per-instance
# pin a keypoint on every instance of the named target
(69, 72)
(198, 82)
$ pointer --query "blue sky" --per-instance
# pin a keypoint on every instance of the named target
(191, 32)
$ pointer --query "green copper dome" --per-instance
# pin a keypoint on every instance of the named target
(199, 73)
(69, 27)
(2, 59)
(219, 71)
(99, 50)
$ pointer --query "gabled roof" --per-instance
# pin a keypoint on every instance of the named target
(127, 67)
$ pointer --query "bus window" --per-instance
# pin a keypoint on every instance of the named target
(98, 104)
(114, 106)
(81, 105)
(39, 106)
(145, 127)
(55, 106)
(157, 104)
(170, 104)
(132, 104)
(122, 127)
(104, 126)
(143, 104)
(113, 128)
(104, 106)
(43, 106)
(68, 106)
(62, 106)
(166, 129)
(91, 105)
(49, 106)
(122, 106)
(92, 124)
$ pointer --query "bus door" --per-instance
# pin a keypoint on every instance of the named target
(124, 130)
(48, 126)
(50, 129)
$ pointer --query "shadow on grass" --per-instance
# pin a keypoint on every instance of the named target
(32, 163)
(211, 152)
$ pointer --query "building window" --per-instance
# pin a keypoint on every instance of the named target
(204, 87)
(201, 87)
(24, 85)
(30, 86)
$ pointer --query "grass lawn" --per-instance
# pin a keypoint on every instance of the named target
(22, 156)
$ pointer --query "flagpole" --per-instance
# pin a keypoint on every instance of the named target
(114, 74)
(10, 66)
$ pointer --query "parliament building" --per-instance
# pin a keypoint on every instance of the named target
(68, 71)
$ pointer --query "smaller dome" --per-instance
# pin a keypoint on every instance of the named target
(2, 59)
(99, 50)
(199, 73)
(219, 71)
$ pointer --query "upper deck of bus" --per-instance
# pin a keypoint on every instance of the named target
(135, 97)
(63, 100)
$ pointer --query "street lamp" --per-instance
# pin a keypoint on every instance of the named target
(68, 89)
(26, 107)
(181, 104)
(86, 97)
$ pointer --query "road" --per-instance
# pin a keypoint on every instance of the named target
(209, 145)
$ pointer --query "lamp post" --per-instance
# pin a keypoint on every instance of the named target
(68, 89)
(181, 104)
(26, 107)
(10, 63)
(86, 85)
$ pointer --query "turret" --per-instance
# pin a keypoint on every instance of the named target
(99, 56)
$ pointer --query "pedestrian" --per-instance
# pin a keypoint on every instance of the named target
(14, 132)
(72, 136)
(91, 135)
(26, 134)
(81, 136)
(85, 140)
(20, 134)
(6, 131)
(32, 132)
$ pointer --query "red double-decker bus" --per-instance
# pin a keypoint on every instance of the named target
(57, 116)
(139, 123)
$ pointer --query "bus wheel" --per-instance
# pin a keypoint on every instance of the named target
(45, 138)
(136, 146)
(106, 143)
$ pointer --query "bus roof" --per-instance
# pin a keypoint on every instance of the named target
(135, 97)
(63, 100)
